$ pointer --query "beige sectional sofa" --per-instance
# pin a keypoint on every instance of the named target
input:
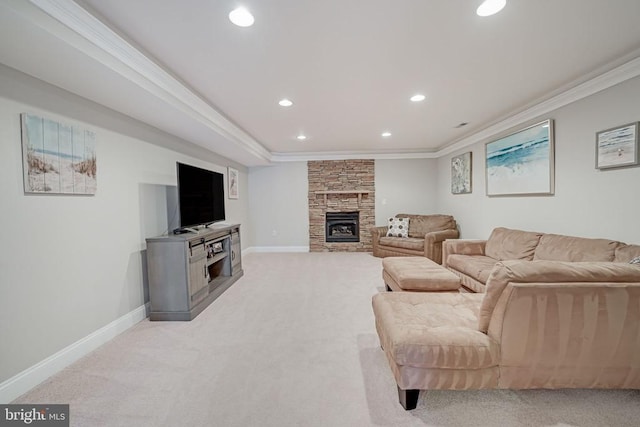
(572, 322)
(426, 234)
(473, 260)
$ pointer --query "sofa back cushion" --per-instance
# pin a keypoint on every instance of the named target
(554, 247)
(625, 253)
(419, 225)
(504, 244)
(563, 273)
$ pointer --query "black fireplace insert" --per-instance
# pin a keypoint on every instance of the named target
(342, 227)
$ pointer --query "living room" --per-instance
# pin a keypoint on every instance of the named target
(84, 279)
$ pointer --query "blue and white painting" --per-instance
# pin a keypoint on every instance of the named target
(58, 158)
(617, 147)
(521, 163)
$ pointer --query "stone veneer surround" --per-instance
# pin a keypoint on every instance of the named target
(341, 175)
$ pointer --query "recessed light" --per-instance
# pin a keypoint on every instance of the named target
(241, 17)
(285, 102)
(386, 134)
(417, 98)
(301, 137)
(490, 7)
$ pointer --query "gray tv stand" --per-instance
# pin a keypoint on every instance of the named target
(187, 272)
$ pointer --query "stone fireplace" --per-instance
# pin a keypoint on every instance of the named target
(341, 205)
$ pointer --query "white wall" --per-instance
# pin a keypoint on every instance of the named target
(278, 205)
(587, 202)
(405, 186)
(70, 265)
(279, 198)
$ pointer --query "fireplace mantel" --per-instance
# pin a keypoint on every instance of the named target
(358, 193)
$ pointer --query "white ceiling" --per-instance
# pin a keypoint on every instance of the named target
(349, 66)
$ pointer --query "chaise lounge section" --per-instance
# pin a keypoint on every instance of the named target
(535, 324)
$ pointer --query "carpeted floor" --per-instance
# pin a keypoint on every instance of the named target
(292, 343)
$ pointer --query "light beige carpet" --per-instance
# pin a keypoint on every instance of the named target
(292, 343)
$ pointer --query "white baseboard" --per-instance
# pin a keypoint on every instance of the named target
(275, 249)
(19, 384)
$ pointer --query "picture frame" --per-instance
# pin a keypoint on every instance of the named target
(461, 173)
(522, 163)
(617, 147)
(232, 176)
(58, 158)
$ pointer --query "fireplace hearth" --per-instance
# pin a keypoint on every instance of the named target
(342, 227)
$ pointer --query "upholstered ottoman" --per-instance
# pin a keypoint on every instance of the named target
(417, 274)
(432, 341)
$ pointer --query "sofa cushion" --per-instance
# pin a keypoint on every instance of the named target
(417, 273)
(554, 247)
(476, 266)
(428, 330)
(398, 227)
(558, 272)
(625, 253)
(403, 242)
(419, 225)
(504, 244)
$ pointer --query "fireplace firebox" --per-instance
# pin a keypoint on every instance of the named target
(342, 227)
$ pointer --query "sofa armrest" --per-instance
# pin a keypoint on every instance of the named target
(433, 243)
(462, 247)
(379, 231)
(376, 233)
(440, 236)
(552, 273)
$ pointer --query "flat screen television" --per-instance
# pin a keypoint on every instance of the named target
(200, 196)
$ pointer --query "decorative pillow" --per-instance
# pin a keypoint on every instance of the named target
(398, 227)
(636, 261)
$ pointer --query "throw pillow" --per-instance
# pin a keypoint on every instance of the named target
(636, 261)
(398, 227)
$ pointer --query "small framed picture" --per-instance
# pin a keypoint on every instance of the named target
(233, 183)
(461, 174)
(617, 147)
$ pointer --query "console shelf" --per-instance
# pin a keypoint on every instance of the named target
(187, 272)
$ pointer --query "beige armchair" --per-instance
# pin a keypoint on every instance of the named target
(426, 234)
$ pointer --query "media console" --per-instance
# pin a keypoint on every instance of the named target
(188, 271)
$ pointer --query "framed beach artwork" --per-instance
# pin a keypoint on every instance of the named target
(617, 147)
(57, 158)
(461, 173)
(233, 183)
(521, 163)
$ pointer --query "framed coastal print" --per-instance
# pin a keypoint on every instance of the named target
(233, 183)
(521, 163)
(57, 158)
(461, 173)
(617, 147)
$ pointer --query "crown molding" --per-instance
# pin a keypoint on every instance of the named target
(88, 34)
(592, 86)
(101, 43)
(624, 72)
(351, 155)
